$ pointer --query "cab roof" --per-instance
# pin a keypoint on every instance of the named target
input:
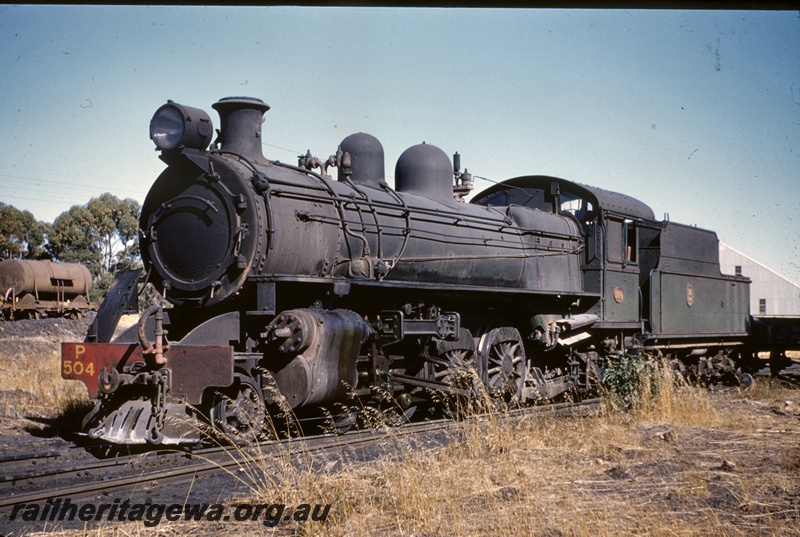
(533, 190)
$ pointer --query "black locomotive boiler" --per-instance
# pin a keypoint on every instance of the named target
(294, 291)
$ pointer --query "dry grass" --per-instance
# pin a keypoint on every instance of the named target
(658, 470)
(672, 400)
(30, 368)
(605, 475)
(33, 387)
(683, 461)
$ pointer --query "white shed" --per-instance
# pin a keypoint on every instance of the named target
(770, 293)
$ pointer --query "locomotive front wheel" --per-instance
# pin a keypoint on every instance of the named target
(344, 421)
(503, 362)
(238, 413)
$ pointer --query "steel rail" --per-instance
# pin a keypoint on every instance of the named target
(224, 459)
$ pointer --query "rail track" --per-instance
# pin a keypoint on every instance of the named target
(49, 475)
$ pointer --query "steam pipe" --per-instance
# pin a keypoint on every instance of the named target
(147, 347)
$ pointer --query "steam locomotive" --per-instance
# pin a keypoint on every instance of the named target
(295, 292)
(34, 289)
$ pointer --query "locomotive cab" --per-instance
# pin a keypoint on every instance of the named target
(610, 224)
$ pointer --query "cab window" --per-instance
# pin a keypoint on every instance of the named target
(576, 206)
(498, 200)
(629, 242)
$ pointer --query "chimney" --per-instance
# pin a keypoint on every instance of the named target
(240, 120)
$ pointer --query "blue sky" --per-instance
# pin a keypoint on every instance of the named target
(696, 113)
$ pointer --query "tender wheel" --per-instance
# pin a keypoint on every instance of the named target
(503, 364)
(238, 413)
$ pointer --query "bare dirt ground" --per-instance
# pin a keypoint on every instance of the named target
(28, 338)
(746, 476)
